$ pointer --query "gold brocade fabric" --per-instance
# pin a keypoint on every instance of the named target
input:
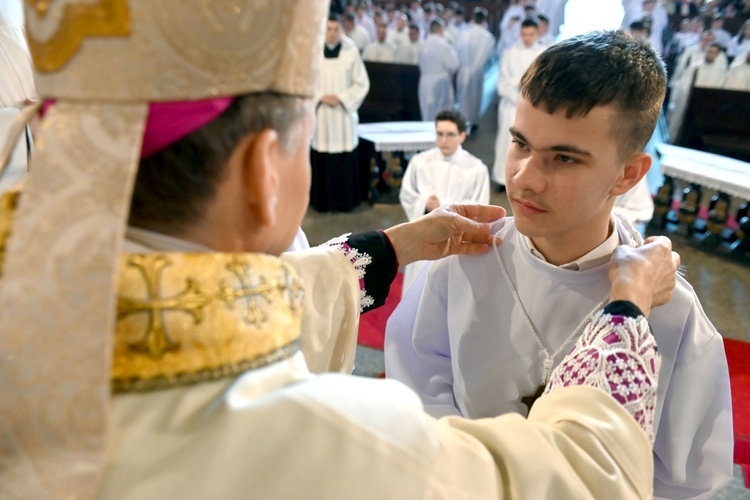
(185, 318)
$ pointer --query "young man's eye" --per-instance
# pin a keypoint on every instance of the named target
(566, 159)
(519, 144)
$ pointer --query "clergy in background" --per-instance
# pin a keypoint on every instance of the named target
(514, 63)
(444, 174)
(438, 62)
(409, 53)
(380, 50)
(342, 88)
(738, 76)
(356, 32)
(474, 47)
(709, 72)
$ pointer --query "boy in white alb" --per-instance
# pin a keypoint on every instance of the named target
(479, 338)
(442, 175)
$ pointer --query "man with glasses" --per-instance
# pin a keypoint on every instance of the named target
(444, 174)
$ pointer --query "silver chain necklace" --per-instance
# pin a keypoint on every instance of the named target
(549, 359)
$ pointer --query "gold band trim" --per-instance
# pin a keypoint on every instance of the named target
(205, 375)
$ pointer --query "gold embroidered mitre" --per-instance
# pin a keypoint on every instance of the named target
(104, 61)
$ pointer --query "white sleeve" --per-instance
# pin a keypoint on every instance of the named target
(412, 200)
(417, 347)
(353, 97)
(507, 85)
(694, 439)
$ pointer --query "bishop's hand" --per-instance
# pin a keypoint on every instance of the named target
(645, 276)
(447, 230)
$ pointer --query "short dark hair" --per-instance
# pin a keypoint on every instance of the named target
(598, 69)
(452, 115)
(530, 22)
(173, 185)
(542, 18)
(436, 24)
(350, 17)
(640, 26)
(480, 14)
(333, 17)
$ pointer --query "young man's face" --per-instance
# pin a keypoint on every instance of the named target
(448, 137)
(333, 32)
(560, 174)
(529, 35)
(712, 54)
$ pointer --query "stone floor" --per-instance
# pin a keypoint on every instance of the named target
(723, 286)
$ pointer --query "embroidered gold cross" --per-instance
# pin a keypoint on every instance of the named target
(292, 289)
(156, 342)
(251, 292)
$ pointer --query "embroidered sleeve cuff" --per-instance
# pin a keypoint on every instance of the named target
(374, 259)
(623, 308)
(616, 354)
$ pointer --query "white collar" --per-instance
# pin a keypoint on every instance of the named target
(595, 257)
(452, 157)
(139, 240)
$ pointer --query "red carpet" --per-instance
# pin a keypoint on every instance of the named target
(372, 324)
(738, 357)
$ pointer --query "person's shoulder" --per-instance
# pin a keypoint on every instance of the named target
(425, 156)
(473, 161)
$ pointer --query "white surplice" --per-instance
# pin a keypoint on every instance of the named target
(360, 37)
(637, 204)
(346, 77)
(408, 54)
(461, 178)
(398, 38)
(516, 60)
(438, 63)
(700, 74)
(738, 77)
(459, 340)
(474, 48)
(378, 51)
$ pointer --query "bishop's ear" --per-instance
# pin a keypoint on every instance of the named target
(257, 154)
(635, 168)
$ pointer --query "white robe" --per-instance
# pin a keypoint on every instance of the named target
(738, 77)
(360, 37)
(701, 74)
(510, 31)
(346, 77)
(474, 47)
(380, 52)
(398, 38)
(408, 54)
(462, 344)
(737, 48)
(636, 205)
(461, 178)
(438, 63)
(279, 432)
(514, 64)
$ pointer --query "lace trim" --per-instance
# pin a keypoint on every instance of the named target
(359, 260)
(616, 354)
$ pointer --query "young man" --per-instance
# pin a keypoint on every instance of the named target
(409, 53)
(343, 86)
(479, 338)
(213, 399)
(512, 67)
(381, 49)
(443, 175)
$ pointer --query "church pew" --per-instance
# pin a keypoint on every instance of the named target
(717, 121)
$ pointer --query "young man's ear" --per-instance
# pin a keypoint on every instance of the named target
(635, 168)
(258, 156)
